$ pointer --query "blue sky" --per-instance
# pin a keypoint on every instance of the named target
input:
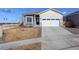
(15, 14)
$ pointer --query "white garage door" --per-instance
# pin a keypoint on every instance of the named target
(54, 23)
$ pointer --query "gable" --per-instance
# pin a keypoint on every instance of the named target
(52, 10)
(50, 14)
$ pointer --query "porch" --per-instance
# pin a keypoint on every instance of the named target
(31, 20)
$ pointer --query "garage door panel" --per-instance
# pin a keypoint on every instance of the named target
(50, 23)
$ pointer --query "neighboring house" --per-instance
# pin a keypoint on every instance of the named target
(49, 17)
(72, 19)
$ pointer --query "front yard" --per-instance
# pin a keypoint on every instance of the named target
(21, 33)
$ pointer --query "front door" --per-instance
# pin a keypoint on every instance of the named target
(29, 20)
(37, 20)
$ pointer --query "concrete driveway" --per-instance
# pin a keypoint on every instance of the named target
(58, 38)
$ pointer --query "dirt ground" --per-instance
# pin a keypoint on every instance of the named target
(21, 33)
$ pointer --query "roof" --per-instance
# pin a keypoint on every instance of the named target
(39, 12)
(31, 13)
(76, 12)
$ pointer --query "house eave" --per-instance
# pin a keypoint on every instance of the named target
(40, 12)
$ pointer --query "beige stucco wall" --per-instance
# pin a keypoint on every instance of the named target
(50, 15)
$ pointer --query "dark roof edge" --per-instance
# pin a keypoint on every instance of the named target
(56, 10)
(72, 13)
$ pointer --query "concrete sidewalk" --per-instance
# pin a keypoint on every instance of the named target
(15, 44)
(1, 34)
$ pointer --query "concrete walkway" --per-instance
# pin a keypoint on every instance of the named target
(15, 44)
(57, 38)
(1, 34)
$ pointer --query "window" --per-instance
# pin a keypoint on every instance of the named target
(57, 19)
(44, 19)
(48, 19)
(52, 19)
(29, 19)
